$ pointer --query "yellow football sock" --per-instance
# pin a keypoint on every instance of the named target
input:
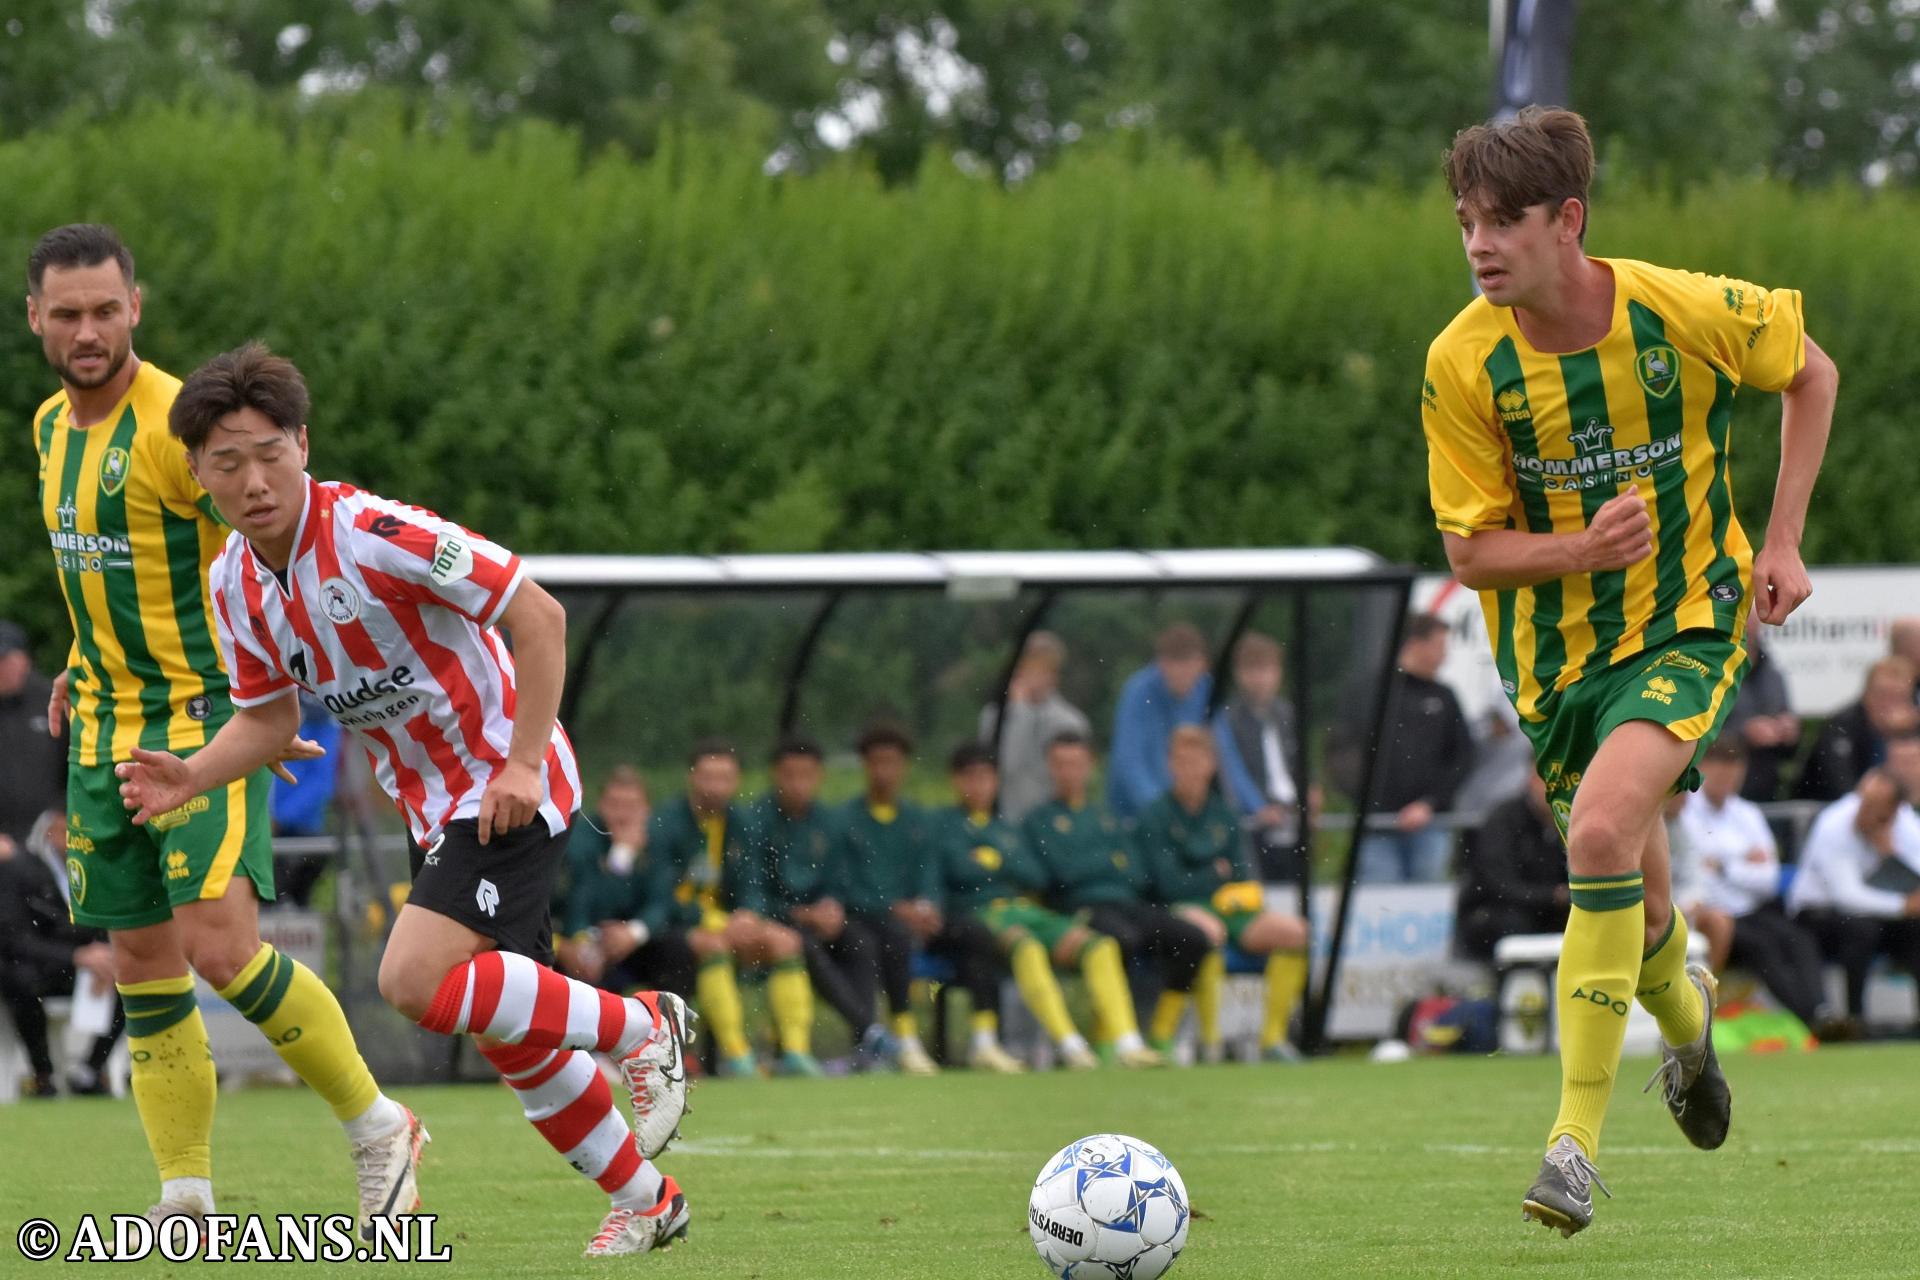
(791, 995)
(1286, 977)
(1106, 979)
(985, 1021)
(1167, 1013)
(1208, 983)
(173, 1081)
(1665, 991)
(1599, 964)
(1033, 974)
(718, 996)
(303, 1021)
(903, 1026)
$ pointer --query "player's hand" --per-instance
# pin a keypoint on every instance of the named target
(1621, 533)
(57, 707)
(618, 940)
(153, 783)
(1780, 582)
(296, 749)
(512, 799)
(1414, 817)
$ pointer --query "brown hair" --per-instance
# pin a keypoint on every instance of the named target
(1544, 155)
(1256, 649)
(1192, 735)
(624, 775)
(249, 377)
(1181, 640)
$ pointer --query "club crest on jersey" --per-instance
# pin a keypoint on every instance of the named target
(1659, 369)
(113, 471)
(339, 601)
(452, 559)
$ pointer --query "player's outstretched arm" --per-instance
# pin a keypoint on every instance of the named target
(1780, 581)
(156, 782)
(1620, 534)
(538, 624)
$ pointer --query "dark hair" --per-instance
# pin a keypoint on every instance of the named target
(1179, 641)
(797, 744)
(705, 747)
(1544, 155)
(971, 753)
(249, 377)
(1256, 648)
(78, 244)
(1423, 626)
(1070, 738)
(624, 775)
(884, 733)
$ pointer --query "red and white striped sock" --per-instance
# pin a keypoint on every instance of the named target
(510, 998)
(569, 1102)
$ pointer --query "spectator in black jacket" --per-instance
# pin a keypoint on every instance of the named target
(42, 953)
(1425, 753)
(1513, 875)
(33, 763)
(1762, 719)
(1855, 738)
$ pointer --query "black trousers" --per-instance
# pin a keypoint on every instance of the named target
(23, 989)
(893, 949)
(846, 973)
(1783, 956)
(1143, 930)
(976, 959)
(663, 963)
(1852, 942)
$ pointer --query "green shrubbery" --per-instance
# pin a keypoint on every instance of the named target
(1135, 349)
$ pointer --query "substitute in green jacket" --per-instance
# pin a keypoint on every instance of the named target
(611, 935)
(990, 874)
(701, 879)
(1091, 867)
(887, 878)
(792, 841)
(1189, 840)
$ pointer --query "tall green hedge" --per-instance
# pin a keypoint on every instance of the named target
(591, 354)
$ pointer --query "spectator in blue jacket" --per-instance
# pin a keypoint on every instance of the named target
(1157, 699)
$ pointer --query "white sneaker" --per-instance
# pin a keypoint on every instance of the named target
(1079, 1058)
(656, 1076)
(993, 1058)
(637, 1231)
(912, 1058)
(387, 1169)
(168, 1222)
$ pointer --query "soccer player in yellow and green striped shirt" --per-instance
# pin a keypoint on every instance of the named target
(132, 534)
(1577, 420)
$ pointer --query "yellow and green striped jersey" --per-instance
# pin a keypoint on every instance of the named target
(1539, 441)
(133, 534)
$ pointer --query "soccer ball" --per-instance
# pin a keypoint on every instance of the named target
(1108, 1208)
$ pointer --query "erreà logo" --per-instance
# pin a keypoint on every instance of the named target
(1658, 369)
(1512, 404)
(1429, 394)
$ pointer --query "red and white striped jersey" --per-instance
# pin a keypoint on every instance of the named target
(386, 614)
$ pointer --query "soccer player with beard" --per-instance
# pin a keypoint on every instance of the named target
(388, 614)
(133, 533)
(1576, 417)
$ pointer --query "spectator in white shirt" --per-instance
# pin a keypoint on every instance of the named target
(1740, 875)
(1036, 713)
(1858, 887)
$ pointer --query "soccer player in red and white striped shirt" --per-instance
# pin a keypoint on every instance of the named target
(388, 614)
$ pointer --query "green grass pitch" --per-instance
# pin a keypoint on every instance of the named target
(1334, 1168)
